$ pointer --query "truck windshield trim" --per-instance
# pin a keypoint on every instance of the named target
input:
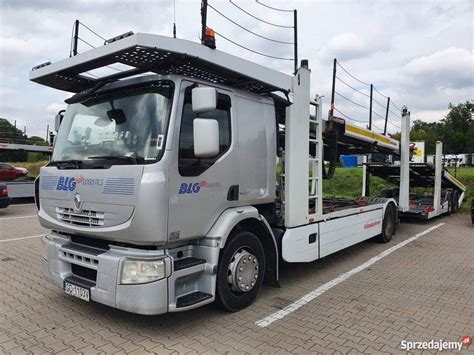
(117, 127)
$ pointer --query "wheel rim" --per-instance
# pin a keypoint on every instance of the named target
(243, 271)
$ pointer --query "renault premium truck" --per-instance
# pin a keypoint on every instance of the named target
(161, 193)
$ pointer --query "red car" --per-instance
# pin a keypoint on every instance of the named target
(9, 172)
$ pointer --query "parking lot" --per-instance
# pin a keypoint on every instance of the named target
(419, 291)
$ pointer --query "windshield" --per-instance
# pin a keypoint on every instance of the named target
(120, 127)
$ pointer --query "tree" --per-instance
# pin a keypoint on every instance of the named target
(456, 130)
(457, 124)
(10, 134)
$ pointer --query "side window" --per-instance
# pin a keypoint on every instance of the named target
(189, 165)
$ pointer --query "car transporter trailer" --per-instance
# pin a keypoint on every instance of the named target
(161, 195)
(448, 192)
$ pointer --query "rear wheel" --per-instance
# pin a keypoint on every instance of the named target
(455, 201)
(241, 271)
(450, 204)
(388, 225)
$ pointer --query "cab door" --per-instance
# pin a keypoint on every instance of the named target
(200, 189)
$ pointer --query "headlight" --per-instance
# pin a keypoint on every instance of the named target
(141, 271)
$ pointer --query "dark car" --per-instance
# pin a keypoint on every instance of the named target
(4, 199)
(9, 172)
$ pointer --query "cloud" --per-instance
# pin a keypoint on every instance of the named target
(55, 107)
(418, 53)
(349, 46)
(448, 68)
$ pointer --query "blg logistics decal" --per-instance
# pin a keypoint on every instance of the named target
(69, 183)
(195, 187)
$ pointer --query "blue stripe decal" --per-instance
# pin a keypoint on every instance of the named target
(119, 186)
(48, 182)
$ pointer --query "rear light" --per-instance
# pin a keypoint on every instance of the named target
(4, 192)
(429, 209)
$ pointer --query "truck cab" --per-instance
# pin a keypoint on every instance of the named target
(148, 177)
(161, 193)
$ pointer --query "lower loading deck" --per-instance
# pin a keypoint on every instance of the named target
(421, 206)
(422, 175)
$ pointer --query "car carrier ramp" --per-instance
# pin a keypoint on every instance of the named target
(421, 175)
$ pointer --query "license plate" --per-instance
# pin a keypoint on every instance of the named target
(77, 291)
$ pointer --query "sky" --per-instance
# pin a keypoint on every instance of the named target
(420, 53)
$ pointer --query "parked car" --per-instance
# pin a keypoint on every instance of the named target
(4, 199)
(8, 172)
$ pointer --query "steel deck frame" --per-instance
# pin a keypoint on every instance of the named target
(421, 175)
(162, 55)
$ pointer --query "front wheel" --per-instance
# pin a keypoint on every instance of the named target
(241, 271)
(388, 225)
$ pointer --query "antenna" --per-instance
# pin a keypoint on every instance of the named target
(174, 18)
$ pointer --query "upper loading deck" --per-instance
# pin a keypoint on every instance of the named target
(147, 53)
(161, 55)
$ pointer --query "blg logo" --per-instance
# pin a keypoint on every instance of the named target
(66, 183)
(195, 187)
(189, 188)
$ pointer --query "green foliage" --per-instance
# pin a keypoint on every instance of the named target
(10, 134)
(347, 183)
(456, 131)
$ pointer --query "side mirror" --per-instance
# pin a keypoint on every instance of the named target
(51, 138)
(58, 119)
(206, 137)
(204, 99)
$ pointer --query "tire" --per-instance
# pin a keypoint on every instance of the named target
(239, 245)
(450, 205)
(472, 211)
(388, 225)
(455, 201)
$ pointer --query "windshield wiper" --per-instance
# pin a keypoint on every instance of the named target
(116, 157)
(81, 96)
(68, 164)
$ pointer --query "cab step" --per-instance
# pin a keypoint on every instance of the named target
(185, 263)
(192, 298)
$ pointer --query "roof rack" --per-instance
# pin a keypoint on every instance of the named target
(162, 55)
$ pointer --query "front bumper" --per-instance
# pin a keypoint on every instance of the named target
(4, 202)
(59, 256)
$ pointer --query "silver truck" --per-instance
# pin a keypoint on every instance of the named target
(161, 194)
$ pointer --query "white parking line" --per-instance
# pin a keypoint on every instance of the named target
(265, 322)
(21, 238)
(18, 217)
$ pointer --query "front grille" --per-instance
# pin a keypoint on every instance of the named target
(84, 272)
(83, 218)
(76, 254)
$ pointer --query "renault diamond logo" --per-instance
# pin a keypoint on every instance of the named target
(77, 202)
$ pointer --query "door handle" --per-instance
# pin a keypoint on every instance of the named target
(233, 193)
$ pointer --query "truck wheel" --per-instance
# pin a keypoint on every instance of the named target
(241, 271)
(455, 201)
(450, 205)
(388, 224)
